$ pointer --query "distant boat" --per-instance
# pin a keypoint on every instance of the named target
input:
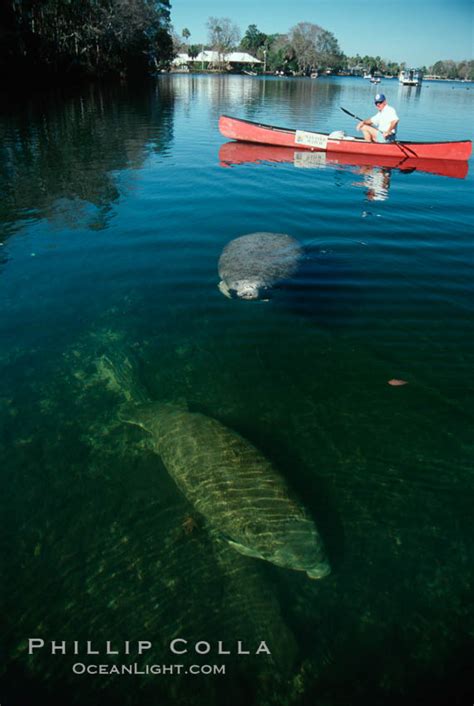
(249, 73)
(371, 77)
(410, 77)
(314, 74)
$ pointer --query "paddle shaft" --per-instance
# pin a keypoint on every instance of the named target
(402, 147)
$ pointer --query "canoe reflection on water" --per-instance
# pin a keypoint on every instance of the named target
(376, 171)
(376, 181)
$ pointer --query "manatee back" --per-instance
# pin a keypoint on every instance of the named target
(264, 258)
(233, 485)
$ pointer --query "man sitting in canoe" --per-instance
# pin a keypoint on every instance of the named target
(382, 127)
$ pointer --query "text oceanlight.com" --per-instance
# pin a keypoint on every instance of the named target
(155, 669)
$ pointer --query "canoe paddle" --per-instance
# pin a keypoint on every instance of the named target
(395, 142)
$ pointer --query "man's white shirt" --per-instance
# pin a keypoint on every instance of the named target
(384, 117)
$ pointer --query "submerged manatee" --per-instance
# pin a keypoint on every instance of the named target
(233, 486)
(251, 265)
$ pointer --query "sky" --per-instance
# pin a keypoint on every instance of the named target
(419, 32)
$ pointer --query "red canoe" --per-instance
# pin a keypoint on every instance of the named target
(246, 131)
(232, 153)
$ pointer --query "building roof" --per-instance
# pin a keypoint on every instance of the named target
(242, 57)
(181, 60)
(213, 57)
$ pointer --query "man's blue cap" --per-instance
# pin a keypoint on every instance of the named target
(379, 98)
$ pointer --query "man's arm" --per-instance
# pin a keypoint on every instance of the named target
(391, 128)
(367, 121)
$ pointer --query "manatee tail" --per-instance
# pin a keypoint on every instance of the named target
(119, 369)
(138, 414)
(146, 415)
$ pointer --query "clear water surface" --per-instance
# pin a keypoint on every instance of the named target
(114, 209)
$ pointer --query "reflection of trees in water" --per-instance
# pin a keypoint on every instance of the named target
(57, 156)
(305, 101)
(215, 91)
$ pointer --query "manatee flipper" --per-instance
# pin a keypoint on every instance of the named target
(217, 535)
(224, 289)
(246, 551)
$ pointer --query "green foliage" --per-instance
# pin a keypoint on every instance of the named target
(329, 54)
(453, 69)
(96, 37)
(371, 64)
(253, 40)
(314, 47)
(278, 53)
(85, 36)
(444, 69)
(193, 50)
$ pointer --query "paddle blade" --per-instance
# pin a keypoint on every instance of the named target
(348, 113)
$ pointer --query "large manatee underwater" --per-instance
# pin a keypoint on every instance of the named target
(233, 486)
(251, 265)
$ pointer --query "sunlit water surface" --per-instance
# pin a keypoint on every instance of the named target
(114, 209)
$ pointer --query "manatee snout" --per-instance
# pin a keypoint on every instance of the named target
(247, 289)
(244, 289)
(299, 546)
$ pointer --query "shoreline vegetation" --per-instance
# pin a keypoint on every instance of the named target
(269, 74)
(57, 42)
(63, 42)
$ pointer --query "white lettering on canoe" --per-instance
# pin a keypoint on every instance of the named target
(311, 139)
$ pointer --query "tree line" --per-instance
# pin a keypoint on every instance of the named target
(52, 38)
(305, 48)
(68, 38)
(453, 69)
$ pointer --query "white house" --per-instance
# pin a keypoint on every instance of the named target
(181, 60)
(213, 57)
